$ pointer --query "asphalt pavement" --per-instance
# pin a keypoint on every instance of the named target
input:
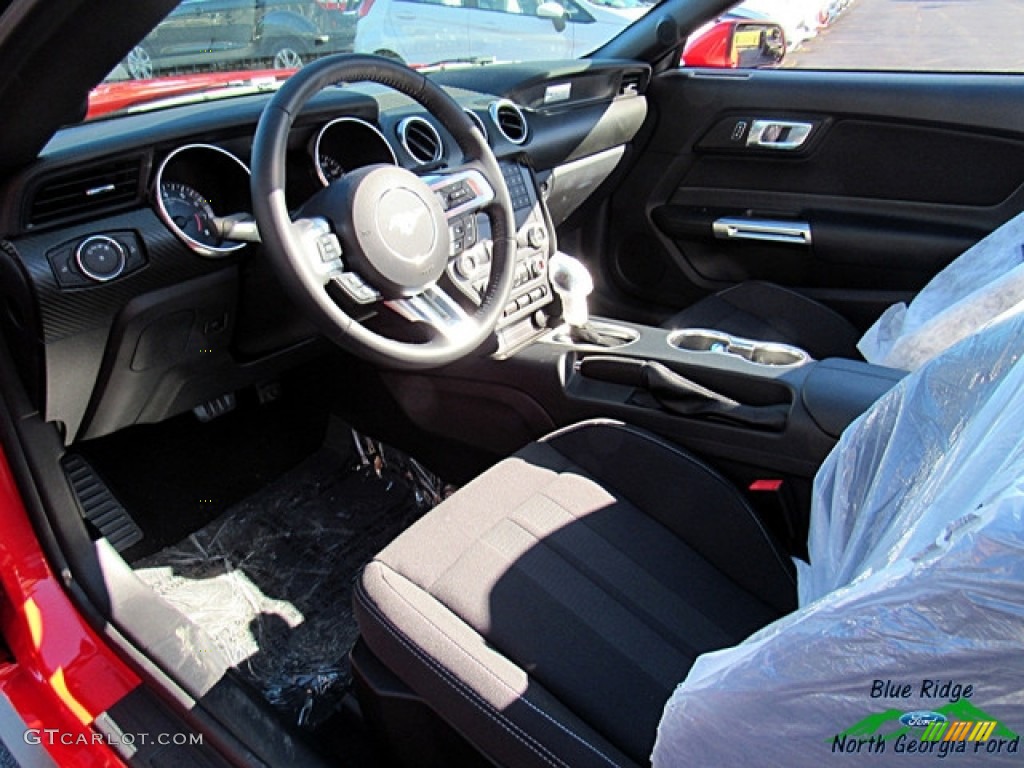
(931, 35)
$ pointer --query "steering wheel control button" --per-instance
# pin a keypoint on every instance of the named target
(100, 258)
(460, 193)
(457, 194)
(463, 233)
(329, 248)
(356, 288)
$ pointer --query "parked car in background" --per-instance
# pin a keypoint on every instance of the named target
(200, 35)
(337, 18)
(425, 32)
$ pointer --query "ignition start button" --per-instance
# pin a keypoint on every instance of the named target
(100, 258)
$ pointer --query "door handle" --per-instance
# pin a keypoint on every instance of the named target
(778, 134)
(737, 228)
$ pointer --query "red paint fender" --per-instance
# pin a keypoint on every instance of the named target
(111, 97)
(62, 675)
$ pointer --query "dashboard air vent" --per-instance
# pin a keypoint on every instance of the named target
(420, 139)
(510, 120)
(86, 191)
(631, 83)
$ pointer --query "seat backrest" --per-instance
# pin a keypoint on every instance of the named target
(981, 286)
(912, 609)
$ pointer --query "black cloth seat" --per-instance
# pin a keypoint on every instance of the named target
(548, 609)
(768, 312)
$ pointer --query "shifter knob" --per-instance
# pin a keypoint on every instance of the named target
(572, 282)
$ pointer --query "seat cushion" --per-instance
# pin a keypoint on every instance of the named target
(768, 312)
(548, 609)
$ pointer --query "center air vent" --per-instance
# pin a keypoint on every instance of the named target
(510, 120)
(86, 191)
(420, 139)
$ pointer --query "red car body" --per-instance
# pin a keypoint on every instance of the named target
(115, 96)
(56, 672)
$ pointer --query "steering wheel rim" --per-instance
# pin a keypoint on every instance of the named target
(298, 268)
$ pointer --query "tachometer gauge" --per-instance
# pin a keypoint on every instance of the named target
(195, 185)
(190, 212)
(330, 168)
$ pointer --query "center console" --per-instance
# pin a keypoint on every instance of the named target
(749, 403)
(764, 414)
(761, 403)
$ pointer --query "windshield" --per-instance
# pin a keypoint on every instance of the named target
(235, 46)
(218, 48)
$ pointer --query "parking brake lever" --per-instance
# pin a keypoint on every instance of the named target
(678, 394)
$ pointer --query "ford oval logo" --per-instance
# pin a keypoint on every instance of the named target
(922, 718)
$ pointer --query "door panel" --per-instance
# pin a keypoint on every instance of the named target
(892, 175)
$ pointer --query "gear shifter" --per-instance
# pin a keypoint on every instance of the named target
(573, 283)
(571, 280)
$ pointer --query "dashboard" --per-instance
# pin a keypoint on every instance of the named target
(132, 282)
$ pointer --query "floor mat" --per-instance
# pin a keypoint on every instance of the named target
(178, 475)
(271, 579)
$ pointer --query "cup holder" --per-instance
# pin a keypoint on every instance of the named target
(717, 342)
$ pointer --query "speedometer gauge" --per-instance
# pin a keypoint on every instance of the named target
(345, 144)
(190, 212)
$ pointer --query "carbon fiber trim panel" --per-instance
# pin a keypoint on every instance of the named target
(65, 312)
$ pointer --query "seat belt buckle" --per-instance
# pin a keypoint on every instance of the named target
(774, 501)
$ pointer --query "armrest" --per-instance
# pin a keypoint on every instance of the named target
(837, 391)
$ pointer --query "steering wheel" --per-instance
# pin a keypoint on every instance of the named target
(377, 239)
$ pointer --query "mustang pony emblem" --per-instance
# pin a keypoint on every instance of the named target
(405, 223)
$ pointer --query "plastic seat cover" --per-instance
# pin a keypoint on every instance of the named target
(911, 618)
